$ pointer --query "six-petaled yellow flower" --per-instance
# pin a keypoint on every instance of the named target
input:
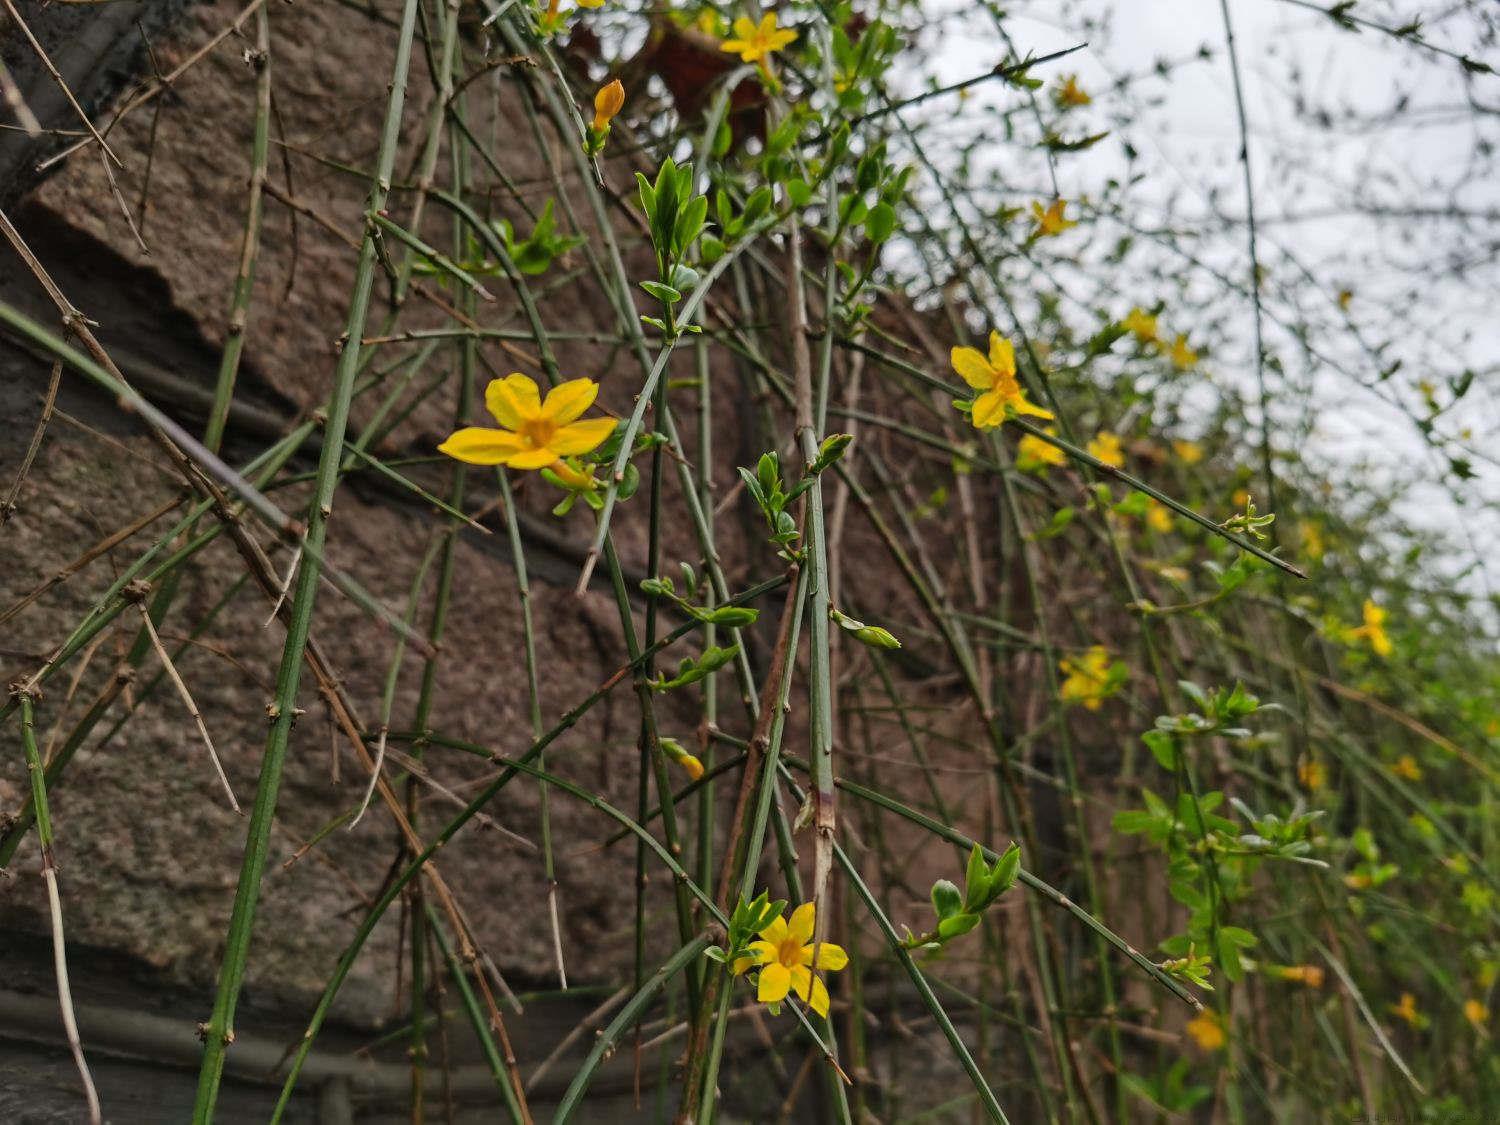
(1087, 679)
(1207, 1031)
(1050, 219)
(1106, 447)
(1406, 767)
(1313, 545)
(1188, 452)
(1159, 516)
(607, 103)
(1407, 1010)
(784, 955)
(1373, 629)
(1310, 975)
(1142, 325)
(995, 377)
(1181, 354)
(754, 42)
(536, 434)
(1034, 455)
(1070, 93)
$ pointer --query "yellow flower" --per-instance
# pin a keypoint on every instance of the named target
(1373, 630)
(754, 42)
(996, 378)
(536, 434)
(1406, 767)
(678, 754)
(1358, 881)
(1087, 679)
(1241, 497)
(1476, 1013)
(1407, 1010)
(1313, 774)
(1070, 93)
(1345, 296)
(1050, 219)
(607, 102)
(1188, 452)
(1106, 447)
(784, 957)
(1311, 535)
(1207, 1031)
(1034, 455)
(591, 3)
(1142, 325)
(1182, 356)
(1310, 975)
(1159, 517)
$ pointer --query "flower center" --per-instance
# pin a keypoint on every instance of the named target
(538, 432)
(790, 953)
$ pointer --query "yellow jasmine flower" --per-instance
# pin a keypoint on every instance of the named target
(1373, 630)
(1142, 325)
(784, 955)
(754, 42)
(1034, 455)
(1087, 679)
(607, 103)
(1159, 517)
(1345, 296)
(1312, 539)
(678, 754)
(1241, 497)
(1182, 356)
(1406, 767)
(1407, 1010)
(1358, 881)
(1106, 447)
(535, 434)
(1050, 219)
(995, 376)
(1207, 1031)
(1070, 93)
(1310, 975)
(1313, 774)
(1476, 1013)
(1188, 452)
(708, 22)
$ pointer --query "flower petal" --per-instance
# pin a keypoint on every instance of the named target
(811, 989)
(758, 953)
(775, 933)
(775, 982)
(581, 437)
(532, 458)
(744, 28)
(1002, 354)
(989, 410)
(512, 400)
(803, 922)
(479, 445)
(830, 957)
(1024, 407)
(973, 367)
(567, 401)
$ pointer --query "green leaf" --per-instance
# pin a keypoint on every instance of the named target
(956, 925)
(1003, 875)
(1163, 748)
(946, 899)
(880, 223)
(976, 878)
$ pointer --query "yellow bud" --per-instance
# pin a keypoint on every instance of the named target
(607, 103)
